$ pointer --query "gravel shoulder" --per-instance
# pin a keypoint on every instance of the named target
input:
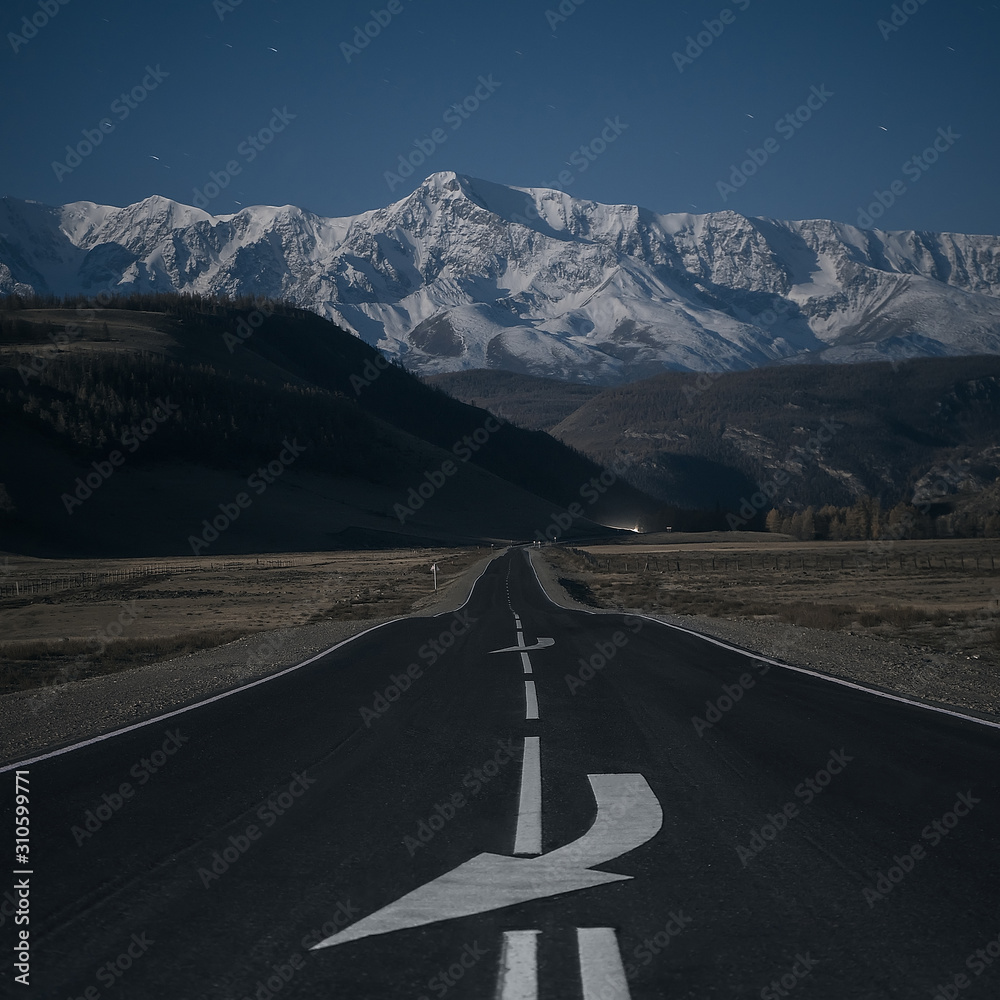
(939, 679)
(42, 719)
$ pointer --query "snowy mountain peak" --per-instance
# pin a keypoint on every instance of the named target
(465, 272)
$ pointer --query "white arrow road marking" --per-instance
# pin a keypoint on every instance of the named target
(519, 966)
(528, 838)
(541, 643)
(628, 815)
(601, 964)
(530, 702)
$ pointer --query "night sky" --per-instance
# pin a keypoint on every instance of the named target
(325, 106)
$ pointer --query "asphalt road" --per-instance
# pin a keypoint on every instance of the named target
(813, 841)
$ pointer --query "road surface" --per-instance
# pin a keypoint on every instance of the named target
(516, 800)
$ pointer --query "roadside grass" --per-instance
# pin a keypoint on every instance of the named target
(837, 595)
(36, 663)
(51, 608)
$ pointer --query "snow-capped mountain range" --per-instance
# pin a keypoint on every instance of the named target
(465, 273)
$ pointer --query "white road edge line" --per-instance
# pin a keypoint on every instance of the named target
(777, 663)
(225, 694)
(528, 838)
(190, 708)
(472, 589)
(601, 964)
(526, 663)
(519, 966)
(530, 702)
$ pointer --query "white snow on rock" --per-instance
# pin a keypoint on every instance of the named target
(466, 273)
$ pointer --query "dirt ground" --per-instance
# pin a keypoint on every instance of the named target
(70, 619)
(941, 594)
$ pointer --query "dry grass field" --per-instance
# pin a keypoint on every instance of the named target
(69, 619)
(941, 594)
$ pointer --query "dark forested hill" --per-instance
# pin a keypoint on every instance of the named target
(525, 400)
(194, 395)
(806, 435)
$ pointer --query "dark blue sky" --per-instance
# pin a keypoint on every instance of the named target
(554, 87)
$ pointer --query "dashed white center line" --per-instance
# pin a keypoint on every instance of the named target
(528, 838)
(530, 702)
(519, 966)
(526, 663)
(520, 637)
(601, 964)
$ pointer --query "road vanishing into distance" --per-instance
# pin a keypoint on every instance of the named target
(514, 800)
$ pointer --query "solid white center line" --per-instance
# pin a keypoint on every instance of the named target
(601, 964)
(526, 663)
(519, 966)
(528, 838)
(530, 702)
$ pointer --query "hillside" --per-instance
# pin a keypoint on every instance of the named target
(179, 400)
(525, 400)
(921, 430)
